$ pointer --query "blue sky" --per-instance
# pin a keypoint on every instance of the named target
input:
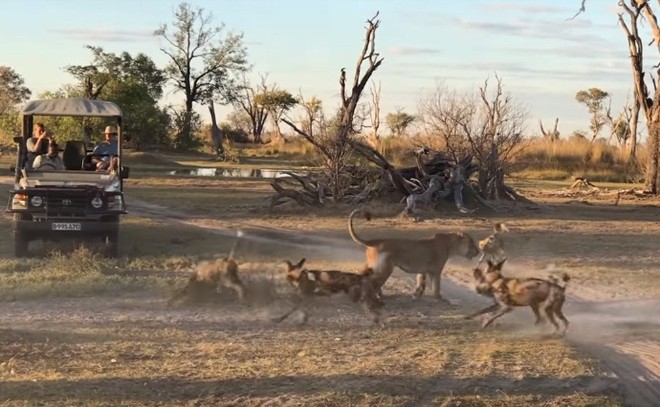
(301, 44)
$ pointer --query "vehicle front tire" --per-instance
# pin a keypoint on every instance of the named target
(21, 244)
(112, 244)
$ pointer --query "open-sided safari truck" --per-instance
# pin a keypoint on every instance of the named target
(77, 203)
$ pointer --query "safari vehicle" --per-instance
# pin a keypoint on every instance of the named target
(77, 203)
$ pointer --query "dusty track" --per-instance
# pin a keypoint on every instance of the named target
(624, 335)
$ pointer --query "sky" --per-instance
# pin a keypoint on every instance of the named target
(542, 58)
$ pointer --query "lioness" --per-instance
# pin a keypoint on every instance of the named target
(206, 279)
(310, 283)
(419, 256)
(539, 294)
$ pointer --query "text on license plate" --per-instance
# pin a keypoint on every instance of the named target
(66, 226)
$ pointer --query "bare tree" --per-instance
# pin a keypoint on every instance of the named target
(337, 149)
(487, 126)
(313, 111)
(244, 97)
(647, 99)
(374, 115)
(199, 57)
(620, 124)
(552, 135)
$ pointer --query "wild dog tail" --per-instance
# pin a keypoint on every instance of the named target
(500, 227)
(239, 235)
(351, 231)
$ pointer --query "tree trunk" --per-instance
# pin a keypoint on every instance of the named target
(651, 182)
(634, 120)
(216, 134)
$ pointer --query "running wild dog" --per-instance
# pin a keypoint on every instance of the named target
(311, 283)
(210, 275)
(546, 295)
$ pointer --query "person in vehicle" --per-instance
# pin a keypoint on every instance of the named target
(49, 161)
(36, 145)
(106, 150)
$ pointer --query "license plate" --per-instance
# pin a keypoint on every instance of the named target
(66, 226)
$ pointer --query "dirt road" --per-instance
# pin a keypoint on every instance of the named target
(624, 335)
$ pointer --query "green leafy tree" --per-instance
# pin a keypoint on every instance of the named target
(135, 83)
(276, 102)
(594, 99)
(12, 89)
(399, 121)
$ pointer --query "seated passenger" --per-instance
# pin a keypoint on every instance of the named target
(107, 148)
(50, 160)
(36, 145)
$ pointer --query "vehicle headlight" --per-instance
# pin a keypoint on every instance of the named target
(114, 202)
(97, 202)
(36, 201)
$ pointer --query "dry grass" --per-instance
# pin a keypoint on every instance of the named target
(128, 349)
(564, 159)
(440, 361)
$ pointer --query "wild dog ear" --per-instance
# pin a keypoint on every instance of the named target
(288, 264)
(490, 264)
(499, 265)
(300, 263)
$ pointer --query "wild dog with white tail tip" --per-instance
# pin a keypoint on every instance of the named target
(540, 295)
(210, 275)
(310, 283)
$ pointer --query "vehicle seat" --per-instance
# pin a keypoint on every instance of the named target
(74, 154)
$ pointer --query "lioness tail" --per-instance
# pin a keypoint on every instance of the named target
(351, 231)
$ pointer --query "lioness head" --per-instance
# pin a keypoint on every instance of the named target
(464, 245)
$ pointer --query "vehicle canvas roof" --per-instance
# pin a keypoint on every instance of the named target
(72, 107)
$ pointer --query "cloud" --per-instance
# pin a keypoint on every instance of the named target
(413, 51)
(513, 72)
(583, 32)
(107, 35)
(597, 52)
(525, 8)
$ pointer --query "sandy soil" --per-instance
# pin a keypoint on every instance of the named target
(624, 335)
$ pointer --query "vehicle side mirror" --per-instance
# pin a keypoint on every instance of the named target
(124, 172)
(18, 139)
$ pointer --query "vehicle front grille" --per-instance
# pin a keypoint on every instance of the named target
(65, 202)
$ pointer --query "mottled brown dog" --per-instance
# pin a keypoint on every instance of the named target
(310, 283)
(208, 277)
(539, 294)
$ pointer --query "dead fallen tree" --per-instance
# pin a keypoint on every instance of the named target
(436, 178)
